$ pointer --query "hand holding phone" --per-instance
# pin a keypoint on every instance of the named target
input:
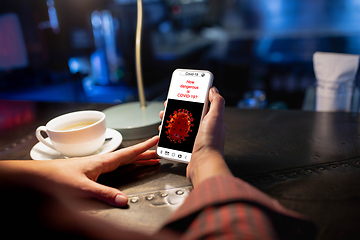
(186, 105)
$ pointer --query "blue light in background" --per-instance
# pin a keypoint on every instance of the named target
(74, 65)
(53, 19)
(99, 67)
(79, 65)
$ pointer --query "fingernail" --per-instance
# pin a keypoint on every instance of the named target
(121, 200)
(214, 89)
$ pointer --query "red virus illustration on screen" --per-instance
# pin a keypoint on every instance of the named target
(179, 125)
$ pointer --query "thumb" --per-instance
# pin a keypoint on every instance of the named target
(106, 194)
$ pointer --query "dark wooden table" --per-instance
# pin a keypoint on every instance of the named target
(309, 161)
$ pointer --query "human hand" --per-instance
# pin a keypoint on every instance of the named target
(207, 156)
(76, 177)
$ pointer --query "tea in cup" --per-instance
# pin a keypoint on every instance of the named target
(75, 134)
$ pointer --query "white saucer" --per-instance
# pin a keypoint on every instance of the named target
(42, 152)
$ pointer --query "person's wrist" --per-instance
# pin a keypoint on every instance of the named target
(206, 164)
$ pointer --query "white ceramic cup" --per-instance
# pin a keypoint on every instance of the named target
(75, 134)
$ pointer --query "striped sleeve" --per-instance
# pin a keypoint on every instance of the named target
(224, 207)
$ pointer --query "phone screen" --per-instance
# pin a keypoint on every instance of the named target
(186, 103)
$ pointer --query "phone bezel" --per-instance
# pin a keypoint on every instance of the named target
(204, 110)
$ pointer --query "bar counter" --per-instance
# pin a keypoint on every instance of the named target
(308, 161)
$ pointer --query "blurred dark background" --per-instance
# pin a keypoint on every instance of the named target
(83, 50)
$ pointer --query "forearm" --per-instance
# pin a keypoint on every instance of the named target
(18, 173)
(228, 206)
(235, 220)
(208, 164)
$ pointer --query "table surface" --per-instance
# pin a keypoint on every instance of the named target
(309, 161)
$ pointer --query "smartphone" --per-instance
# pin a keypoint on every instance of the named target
(186, 105)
